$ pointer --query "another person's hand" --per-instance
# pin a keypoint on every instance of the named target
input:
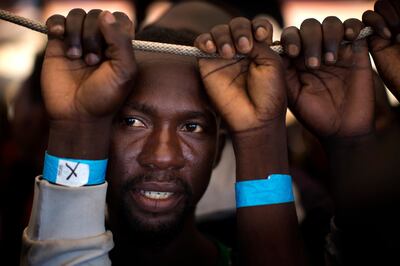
(250, 92)
(330, 85)
(87, 73)
(385, 43)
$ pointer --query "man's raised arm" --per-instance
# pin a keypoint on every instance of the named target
(250, 94)
(87, 73)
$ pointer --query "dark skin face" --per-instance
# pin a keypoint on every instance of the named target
(161, 144)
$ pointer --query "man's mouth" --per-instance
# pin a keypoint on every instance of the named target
(157, 197)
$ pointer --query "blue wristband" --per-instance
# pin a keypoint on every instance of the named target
(275, 189)
(74, 172)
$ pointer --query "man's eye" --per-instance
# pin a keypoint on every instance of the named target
(192, 127)
(133, 122)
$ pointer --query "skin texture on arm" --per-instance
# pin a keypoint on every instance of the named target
(250, 94)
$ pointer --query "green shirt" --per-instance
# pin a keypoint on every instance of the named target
(225, 254)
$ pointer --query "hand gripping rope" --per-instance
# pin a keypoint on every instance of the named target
(150, 46)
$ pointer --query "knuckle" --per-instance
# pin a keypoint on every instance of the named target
(262, 22)
(122, 17)
(239, 22)
(332, 20)
(291, 30)
(352, 22)
(55, 19)
(77, 12)
(378, 5)
(367, 15)
(222, 28)
(310, 22)
(56, 25)
(200, 39)
(120, 14)
(94, 12)
(221, 33)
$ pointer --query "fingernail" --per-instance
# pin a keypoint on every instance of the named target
(293, 50)
(330, 57)
(210, 46)
(387, 32)
(92, 59)
(74, 52)
(227, 51)
(57, 29)
(244, 44)
(349, 33)
(313, 62)
(261, 33)
(109, 18)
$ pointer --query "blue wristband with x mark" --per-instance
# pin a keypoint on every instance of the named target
(74, 172)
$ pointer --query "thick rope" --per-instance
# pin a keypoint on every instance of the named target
(150, 46)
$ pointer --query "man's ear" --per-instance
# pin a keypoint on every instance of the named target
(220, 146)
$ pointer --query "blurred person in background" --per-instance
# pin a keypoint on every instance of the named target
(21, 156)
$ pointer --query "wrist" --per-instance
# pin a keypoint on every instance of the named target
(347, 143)
(261, 151)
(82, 140)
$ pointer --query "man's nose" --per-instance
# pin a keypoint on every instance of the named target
(162, 151)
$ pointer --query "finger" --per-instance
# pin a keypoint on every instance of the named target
(119, 46)
(352, 28)
(73, 28)
(205, 43)
(222, 37)
(388, 12)
(93, 42)
(333, 33)
(125, 22)
(262, 30)
(56, 29)
(56, 26)
(291, 41)
(311, 38)
(378, 24)
(241, 30)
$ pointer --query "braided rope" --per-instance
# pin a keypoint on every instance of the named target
(150, 46)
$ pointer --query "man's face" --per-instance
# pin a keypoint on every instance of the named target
(163, 147)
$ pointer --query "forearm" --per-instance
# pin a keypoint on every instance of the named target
(82, 140)
(267, 234)
(364, 172)
(352, 163)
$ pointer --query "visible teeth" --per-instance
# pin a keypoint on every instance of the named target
(156, 194)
